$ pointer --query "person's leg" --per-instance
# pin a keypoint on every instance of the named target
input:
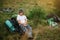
(29, 30)
(22, 28)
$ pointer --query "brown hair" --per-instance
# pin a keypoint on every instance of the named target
(21, 11)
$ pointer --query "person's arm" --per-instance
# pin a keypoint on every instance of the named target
(25, 21)
(25, 24)
(18, 20)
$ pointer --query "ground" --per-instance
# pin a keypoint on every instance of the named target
(40, 32)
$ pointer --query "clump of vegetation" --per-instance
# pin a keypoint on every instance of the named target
(37, 15)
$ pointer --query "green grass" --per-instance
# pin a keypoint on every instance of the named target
(27, 6)
(3, 31)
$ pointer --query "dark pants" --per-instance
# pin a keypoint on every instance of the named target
(27, 28)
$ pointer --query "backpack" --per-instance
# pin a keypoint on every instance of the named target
(13, 25)
(9, 25)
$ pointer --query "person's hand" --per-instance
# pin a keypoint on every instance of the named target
(25, 24)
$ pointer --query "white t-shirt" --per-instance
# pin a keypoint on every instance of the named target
(22, 18)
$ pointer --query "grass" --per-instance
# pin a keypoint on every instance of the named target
(45, 32)
(48, 34)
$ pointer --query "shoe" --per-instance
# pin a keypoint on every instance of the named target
(30, 38)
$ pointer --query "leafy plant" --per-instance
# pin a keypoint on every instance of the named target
(37, 14)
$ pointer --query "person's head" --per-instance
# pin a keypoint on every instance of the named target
(21, 12)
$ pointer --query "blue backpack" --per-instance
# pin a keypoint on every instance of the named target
(9, 25)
